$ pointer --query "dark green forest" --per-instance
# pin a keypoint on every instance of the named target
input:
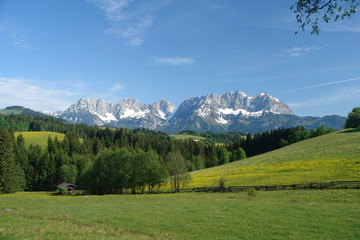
(107, 161)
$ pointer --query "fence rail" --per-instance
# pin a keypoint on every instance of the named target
(328, 185)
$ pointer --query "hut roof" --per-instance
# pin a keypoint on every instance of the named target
(65, 185)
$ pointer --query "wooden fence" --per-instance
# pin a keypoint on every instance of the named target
(329, 185)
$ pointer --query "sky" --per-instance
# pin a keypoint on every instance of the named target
(53, 53)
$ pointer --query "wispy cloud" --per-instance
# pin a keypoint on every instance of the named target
(174, 61)
(116, 86)
(339, 96)
(132, 33)
(20, 91)
(301, 51)
(128, 20)
(338, 68)
(323, 85)
(17, 36)
(347, 25)
(2, 28)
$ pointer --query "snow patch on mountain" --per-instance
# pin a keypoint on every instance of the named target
(130, 113)
(251, 114)
(203, 111)
(107, 118)
(243, 112)
(221, 120)
(228, 111)
(161, 114)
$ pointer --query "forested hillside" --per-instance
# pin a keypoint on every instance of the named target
(111, 160)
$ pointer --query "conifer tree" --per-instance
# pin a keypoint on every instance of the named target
(21, 160)
(8, 168)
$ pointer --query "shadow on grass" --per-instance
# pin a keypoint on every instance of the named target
(352, 130)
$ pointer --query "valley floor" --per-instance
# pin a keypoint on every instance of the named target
(303, 214)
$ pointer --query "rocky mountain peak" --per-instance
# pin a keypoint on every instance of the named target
(130, 102)
(222, 110)
(163, 107)
(225, 109)
(128, 113)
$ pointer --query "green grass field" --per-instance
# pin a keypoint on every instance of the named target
(294, 214)
(185, 137)
(327, 214)
(39, 138)
(331, 157)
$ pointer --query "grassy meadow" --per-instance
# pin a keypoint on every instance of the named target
(327, 214)
(282, 215)
(331, 157)
(39, 138)
(185, 137)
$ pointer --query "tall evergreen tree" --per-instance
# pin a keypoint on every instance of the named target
(34, 170)
(211, 158)
(8, 168)
(21, 160)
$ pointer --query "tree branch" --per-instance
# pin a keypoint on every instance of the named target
(319, 8)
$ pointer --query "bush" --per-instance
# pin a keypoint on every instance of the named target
(353, 120)
(222, 181)
(251, 193)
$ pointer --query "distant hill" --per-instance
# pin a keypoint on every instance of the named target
(331, 157)
(20, 110)
(23, 119)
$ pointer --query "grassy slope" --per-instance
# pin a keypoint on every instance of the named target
(331, 157)
(183, 137)
(39, 138)
(330, 214)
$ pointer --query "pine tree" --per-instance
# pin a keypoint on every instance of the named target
(8, 168)
(21, 160)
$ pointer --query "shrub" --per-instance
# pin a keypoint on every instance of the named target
(251, 193)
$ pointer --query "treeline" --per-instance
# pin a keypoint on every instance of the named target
(104, 160)
(261, 142)
(270, 140)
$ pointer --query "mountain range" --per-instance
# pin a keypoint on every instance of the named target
(128, 113)
(233, 111)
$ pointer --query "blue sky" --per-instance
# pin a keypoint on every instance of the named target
(52, 53)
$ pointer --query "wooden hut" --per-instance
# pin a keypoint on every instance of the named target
(66, 187)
